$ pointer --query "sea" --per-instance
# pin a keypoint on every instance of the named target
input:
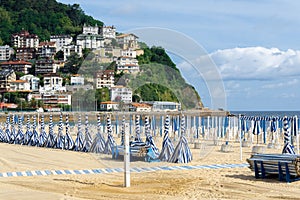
(267, 113)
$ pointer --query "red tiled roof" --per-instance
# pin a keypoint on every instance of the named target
(17, 62)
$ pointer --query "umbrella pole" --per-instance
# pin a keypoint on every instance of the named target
(241, 149)
(296, 132)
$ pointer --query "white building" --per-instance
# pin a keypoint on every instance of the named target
(61, 40)
(128, 53)
(121, 94)
(6, 52)
(70, 49)
(47, 49)
(104, 78)
(127, 65)
(127, 41)
(32, 80)
(108, 32)
(24, 40)
(52, 99)
(109, 106)
(52, 82)
(87, 30)
(90, 41)
(19, 85)
(165, 106)
(77, 80)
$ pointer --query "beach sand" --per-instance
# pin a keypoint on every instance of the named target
(232, 183)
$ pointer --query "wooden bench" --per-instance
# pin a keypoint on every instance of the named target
(285, 166)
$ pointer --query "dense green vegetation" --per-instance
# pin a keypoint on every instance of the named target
(41, 17)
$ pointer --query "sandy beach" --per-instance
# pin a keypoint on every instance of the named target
(232, 183)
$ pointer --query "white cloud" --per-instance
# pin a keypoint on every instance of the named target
(257, 63)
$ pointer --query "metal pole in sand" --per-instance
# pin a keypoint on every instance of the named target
(240, 132)
(296, 132)
(126, 158)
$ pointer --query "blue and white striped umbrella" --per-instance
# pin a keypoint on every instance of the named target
(256, 128)
(60, 139)
(137, 129)
(110, 142)
(182, 152)
(80, 141)
(149, 140)
(167, 145)
(43, 135)
(13, 131)
(51, 141)
(28, 133)
(69, 142)
(34, 140)
(98, 144)
(7, 130)
(288, 147)
(88, 137)
(20, 134)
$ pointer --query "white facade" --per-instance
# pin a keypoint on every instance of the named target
(19, 85)
(25, 40)
(108, 32)
(94, 30)
(121, 94)
(77, 80)
(70, 49)
(47, 49)
(32, 80)
(128, 53)
(165, 106)
(128, 41)
(105, 78)
(127, 65)
(90, 41)
(5, 52)
(61, 40)
(107, 106)
(53, 83)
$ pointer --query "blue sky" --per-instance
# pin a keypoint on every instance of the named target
(254, 44)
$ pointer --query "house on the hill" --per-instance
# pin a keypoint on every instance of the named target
(46, 66)
(32, 80)
(47, 49)
(128, 41)
(6, 52)
(20, 86)
(61, 41)
(127, 65)
(6, 76)
(17, 66)
(104, 78)
(121, 94)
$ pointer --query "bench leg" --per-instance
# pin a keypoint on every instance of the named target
(256, 169)
(280, 174)
(263, 172)
(287, 173)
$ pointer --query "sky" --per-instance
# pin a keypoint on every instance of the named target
(253, 45)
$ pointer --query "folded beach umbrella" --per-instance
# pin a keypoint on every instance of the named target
(60, 139)
(7, 130)
(80, 141)
(34, 140)
(149, 139)
(88, 137)
(13, 131)
(288, 147)
(51, 141)
(256, 128)
(69, 142)
(98, 144)
(43, 135)
(110, 142)
(167, 145)
(182, 152)
(273, 128)
(28, 133)
(137, 129)
(20, 135)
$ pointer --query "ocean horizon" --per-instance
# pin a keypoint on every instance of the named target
(266, 113)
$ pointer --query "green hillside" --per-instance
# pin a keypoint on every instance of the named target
(41, 17)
